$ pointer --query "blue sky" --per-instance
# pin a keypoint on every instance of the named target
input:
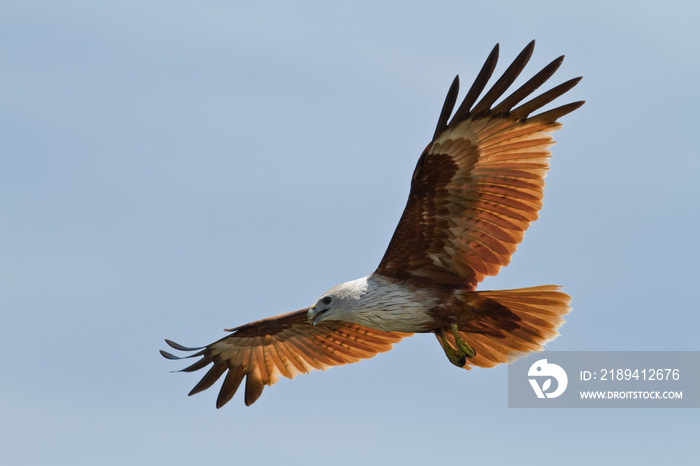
(170, 169)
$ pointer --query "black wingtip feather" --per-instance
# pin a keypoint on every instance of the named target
(233, 380)
(202, 363)
(167, 355)
(209, 378)
(447, 107)
(179, 347)
(504, 82)
(478, 86)
(505, 107)
(553, 115)
(529, 87)
(543, 99)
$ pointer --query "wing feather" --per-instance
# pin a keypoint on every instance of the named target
(480, 182)
(529, 87)
(479, 84)
(232, 381)
(278, 360)
(295, 366)
(202, 363)
(286, 346)
(504, 82)
(209, 378)
(254, 386)
(315, 360)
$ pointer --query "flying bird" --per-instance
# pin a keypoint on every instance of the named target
(475, 190)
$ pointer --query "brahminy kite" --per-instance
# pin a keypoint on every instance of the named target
(477, 187)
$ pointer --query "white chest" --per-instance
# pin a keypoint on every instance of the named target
(387, 305)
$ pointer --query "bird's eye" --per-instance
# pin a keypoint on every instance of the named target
(326, 300)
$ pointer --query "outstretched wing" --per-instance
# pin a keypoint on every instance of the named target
(285, 345)
(480, 182)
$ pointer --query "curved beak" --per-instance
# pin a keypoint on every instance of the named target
(310, 314)
(313, 315)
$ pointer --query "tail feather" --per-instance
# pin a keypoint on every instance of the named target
(535, 315)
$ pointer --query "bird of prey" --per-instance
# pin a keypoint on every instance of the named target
(475, 190)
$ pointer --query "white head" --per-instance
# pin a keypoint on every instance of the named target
(339, 302)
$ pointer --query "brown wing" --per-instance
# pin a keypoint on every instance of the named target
(479, 183)
(285, 345)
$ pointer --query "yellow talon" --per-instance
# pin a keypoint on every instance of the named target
(462, 345)
(457, 356)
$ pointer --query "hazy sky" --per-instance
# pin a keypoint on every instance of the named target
(170, 169)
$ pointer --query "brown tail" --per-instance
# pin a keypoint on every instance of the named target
(521, 320)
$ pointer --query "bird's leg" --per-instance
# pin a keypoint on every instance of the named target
(462, 345)
(456, 357)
